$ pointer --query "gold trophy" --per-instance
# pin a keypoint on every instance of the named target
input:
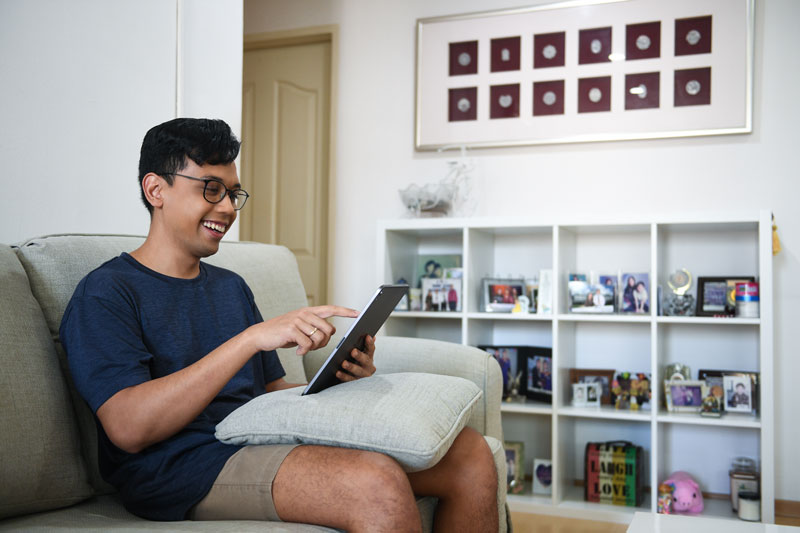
(678, 302)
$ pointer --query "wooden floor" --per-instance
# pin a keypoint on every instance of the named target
(525, 523)
(534, 523)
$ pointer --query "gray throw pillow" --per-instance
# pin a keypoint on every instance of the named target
(411, 417)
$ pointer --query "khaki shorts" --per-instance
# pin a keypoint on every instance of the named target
(243, 490)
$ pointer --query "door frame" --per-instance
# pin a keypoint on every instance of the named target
(312, 34)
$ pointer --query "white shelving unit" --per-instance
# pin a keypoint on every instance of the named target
(709, 244)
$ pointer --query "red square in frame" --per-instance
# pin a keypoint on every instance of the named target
(693, 87)
(642, 90)
(505, 54)
(594, 94)
(504, 101)
(693, 36)
(463, 104)
(548, 98)
(594, 46)
(643, 41)
(464, 58)
(548, 50)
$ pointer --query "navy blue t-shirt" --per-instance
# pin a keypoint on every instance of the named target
(127, 324)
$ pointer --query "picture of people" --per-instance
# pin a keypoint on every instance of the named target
(441, 294)
(635, 293)
(738, 394)
(579, 394)
(501, 296)
(507, 358)
(539, 374)
(590, 298)
(685, 396)
(433, 267)
(593, 393)
(515, 462)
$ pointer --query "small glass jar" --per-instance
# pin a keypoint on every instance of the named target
(744, 478)
(749, 506)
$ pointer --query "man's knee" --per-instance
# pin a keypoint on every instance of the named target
(385, 492)
(473, 462)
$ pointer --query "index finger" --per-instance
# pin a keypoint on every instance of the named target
(326, 311)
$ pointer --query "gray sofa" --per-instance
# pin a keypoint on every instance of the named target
(49, 480)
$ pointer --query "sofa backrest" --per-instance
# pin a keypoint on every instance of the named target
(41, 466)
(55, 264)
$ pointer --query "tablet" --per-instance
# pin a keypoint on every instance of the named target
(368, 322)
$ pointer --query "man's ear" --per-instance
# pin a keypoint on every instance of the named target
(153, 186)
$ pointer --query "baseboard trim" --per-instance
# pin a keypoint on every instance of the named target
(788, 508)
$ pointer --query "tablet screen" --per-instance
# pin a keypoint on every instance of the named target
(368, 322)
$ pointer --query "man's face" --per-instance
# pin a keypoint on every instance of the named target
(194, 224)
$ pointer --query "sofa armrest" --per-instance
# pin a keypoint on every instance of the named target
(404, 354)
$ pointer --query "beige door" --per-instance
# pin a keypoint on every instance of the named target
(285, 159)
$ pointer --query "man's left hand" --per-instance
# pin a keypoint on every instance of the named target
(364, 365)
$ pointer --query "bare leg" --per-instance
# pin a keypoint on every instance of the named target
(465, 481)
(346, 489)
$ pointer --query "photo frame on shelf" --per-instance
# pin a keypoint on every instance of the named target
(590, 298)
(508, 359)
(716, 296)
(635, 294)
(593, 375)
(502, 295)
(511, 77)
(755, 386)
(738, 391)
(579, 394)
(441, 294)
(537, 366)
(542, 476)
(515, 464)
(685, 396)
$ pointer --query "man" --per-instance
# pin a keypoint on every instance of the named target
(163, 346)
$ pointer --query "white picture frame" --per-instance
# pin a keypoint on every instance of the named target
(479, 82)
(738, 394)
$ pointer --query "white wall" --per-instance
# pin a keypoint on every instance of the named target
(82, 82)
(375, 158)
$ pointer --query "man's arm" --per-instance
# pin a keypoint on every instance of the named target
(139, 416)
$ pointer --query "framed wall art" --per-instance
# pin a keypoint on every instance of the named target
(584, 70)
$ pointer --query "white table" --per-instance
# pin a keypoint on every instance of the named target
(671, 523)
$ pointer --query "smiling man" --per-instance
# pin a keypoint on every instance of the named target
(162, 346)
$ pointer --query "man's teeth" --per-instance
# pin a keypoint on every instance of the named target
(216, 227)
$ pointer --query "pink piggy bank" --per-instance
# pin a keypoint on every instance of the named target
(686, 498)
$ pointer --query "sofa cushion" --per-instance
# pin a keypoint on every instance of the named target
(106, 513)
(411, 417)
(40, 464)
(56, 264)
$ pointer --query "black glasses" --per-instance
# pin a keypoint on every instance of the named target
(214, 191)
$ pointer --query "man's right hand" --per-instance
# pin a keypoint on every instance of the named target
(306, 328)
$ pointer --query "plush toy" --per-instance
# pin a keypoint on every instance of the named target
(686, 495)
(665, 498)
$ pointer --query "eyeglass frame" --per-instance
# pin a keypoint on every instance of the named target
(230, 193)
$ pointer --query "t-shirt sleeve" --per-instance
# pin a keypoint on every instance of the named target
(104, 347)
